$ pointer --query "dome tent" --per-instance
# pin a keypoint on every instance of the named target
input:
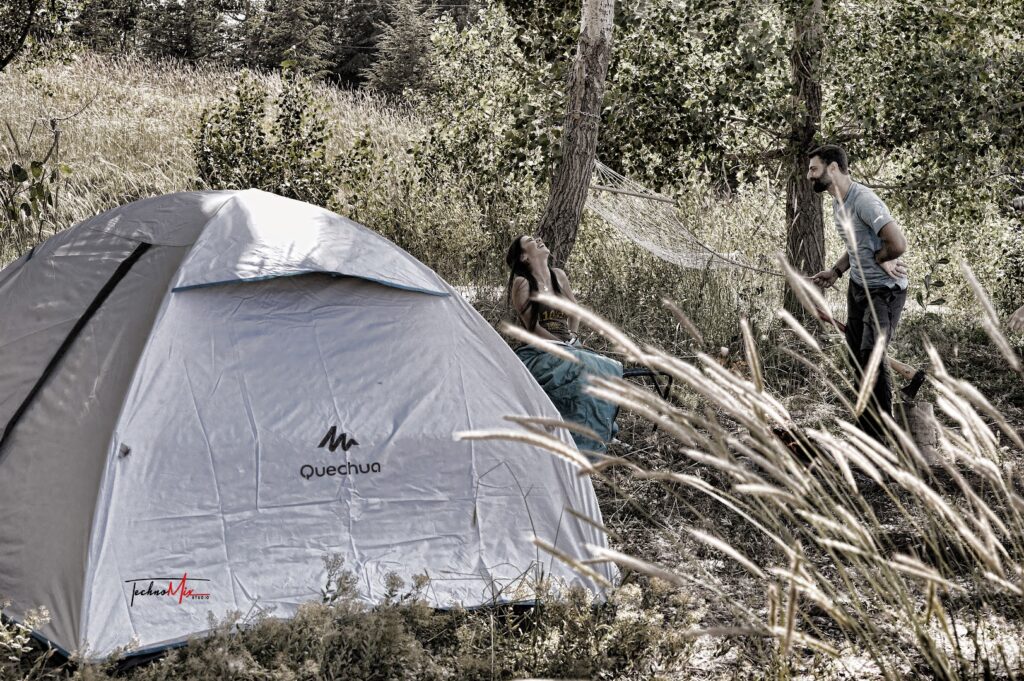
(190, 428)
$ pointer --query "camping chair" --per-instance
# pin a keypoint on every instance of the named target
(659, 380)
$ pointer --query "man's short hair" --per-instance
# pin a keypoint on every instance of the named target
(832, 153)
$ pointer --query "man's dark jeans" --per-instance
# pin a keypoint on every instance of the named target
(869, 313)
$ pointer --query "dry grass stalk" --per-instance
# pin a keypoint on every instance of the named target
(541, 425)
(544, 344)
(571, 562)
(688, 326)
(854, 569)
(989, 320)
(798, 329)
(728, 550)
(621, 341)
(870, 374)
(549, 443)
(753, 358)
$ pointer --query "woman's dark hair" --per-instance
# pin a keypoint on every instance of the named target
(520, 269)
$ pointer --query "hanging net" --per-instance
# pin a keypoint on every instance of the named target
(651, 221)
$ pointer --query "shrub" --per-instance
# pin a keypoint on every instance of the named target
(28, 193)
(238, 147)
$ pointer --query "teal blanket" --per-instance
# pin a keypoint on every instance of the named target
(565, 382)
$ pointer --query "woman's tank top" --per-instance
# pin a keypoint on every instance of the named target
(553, 321)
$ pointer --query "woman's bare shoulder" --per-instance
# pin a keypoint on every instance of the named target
(563, 278)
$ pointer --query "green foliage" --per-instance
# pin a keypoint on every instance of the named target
(949, 104)
(403, 57)
(33, 30)
(238, 147)
(353, 31)
(29, 184)
(930, 292)
(429, 212)
(1009, 277)
(188, 30)
(691, 86)
(108, 25)
(290, 32)
(493, 113)
(697, 87)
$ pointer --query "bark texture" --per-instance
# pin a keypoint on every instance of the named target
(561, 218)
(805, 227)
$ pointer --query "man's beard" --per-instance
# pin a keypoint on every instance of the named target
(821, 184)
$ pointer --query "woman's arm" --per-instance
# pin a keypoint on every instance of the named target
(563, 284)
(521, 301)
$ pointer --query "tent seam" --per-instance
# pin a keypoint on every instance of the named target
(87, 581)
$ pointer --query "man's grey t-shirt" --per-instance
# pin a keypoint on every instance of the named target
(867, 215)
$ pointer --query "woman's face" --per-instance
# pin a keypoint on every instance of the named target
(532, 246)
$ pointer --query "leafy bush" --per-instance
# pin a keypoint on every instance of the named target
(238, 147)
(493, 114)
(28, 190)
(1009, 293)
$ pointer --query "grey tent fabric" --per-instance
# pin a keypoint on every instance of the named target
(32, 329)
(50, 467)
(235, 411)
(261, 236)
(170, 220)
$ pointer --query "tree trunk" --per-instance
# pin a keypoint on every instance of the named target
(571, 181)
(17, 17)
(805, 228)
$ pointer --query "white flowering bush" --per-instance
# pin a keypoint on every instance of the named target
(16, 644)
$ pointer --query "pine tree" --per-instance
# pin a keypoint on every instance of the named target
(190, 30)
(353, 30)
(291, 32)
(108, 25)
(403, 59)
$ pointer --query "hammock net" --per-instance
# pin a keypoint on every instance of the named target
(651, 221)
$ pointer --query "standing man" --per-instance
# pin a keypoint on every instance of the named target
(878, 281)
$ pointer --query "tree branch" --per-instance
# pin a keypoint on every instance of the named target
(20, 41)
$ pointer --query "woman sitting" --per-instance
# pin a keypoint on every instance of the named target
(564, 382)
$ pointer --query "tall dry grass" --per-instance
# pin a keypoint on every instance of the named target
(128, 125)
(849, 558)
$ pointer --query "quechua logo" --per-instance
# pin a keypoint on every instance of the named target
(332, 440)
(180, 589)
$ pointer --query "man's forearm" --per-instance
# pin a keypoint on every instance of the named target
(887, 252)
(894, 244)
(842, 264)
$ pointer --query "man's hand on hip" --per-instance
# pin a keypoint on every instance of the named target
(894, 268)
